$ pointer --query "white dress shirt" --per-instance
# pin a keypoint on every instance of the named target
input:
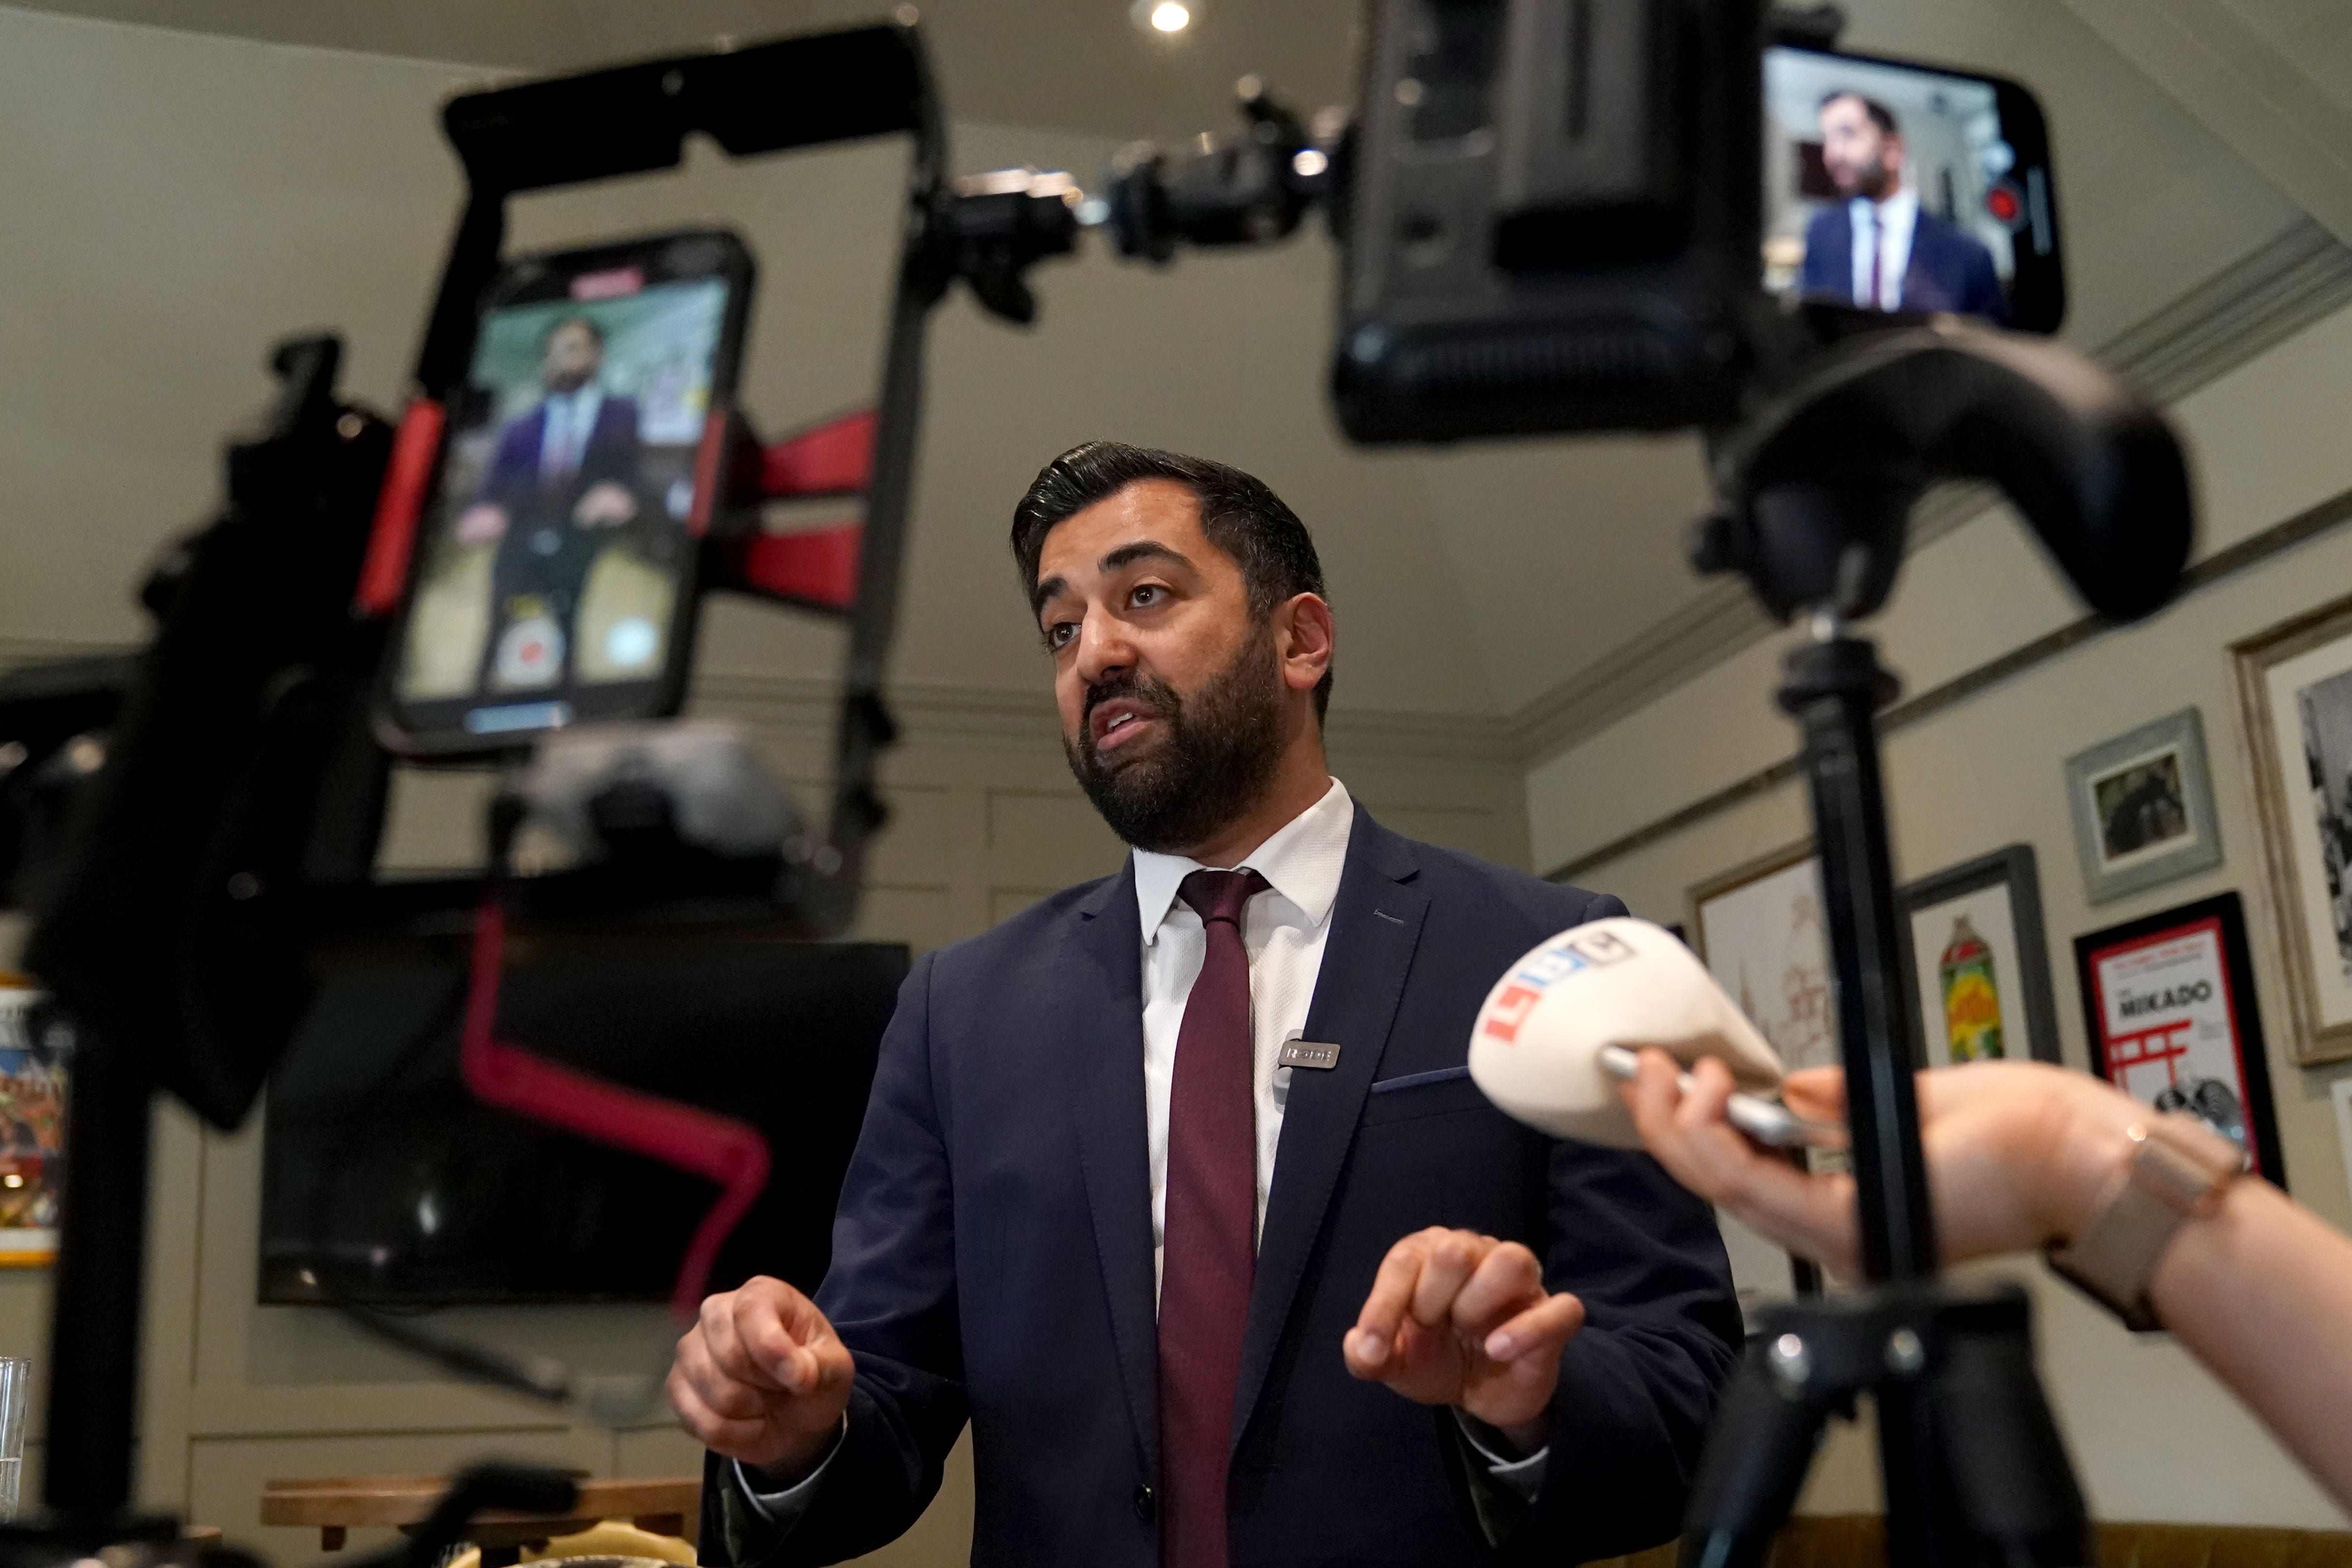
(1283, 930)
(1882, 231)
(563, 434)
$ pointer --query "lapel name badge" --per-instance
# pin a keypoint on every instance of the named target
(1308, 1054)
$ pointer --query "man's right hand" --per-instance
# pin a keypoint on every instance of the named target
(484, 522)
(762, 1378)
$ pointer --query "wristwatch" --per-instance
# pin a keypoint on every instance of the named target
(2177, 1171)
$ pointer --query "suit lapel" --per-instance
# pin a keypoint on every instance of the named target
(1103, 987)
(1375, 925)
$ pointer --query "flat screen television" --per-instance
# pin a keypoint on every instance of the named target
(385, 1182)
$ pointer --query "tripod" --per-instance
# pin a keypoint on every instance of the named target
(1816, 488)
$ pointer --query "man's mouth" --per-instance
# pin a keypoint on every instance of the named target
(1117, 722)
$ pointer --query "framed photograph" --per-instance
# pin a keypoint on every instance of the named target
(2294, 687)
(32, 1135)
(2168, 1007)
(1759, 932)
(1977, 962)
(2143, 807)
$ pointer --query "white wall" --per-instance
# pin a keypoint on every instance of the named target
(2154, 1436)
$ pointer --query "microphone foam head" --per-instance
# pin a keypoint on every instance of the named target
(1535, 1048)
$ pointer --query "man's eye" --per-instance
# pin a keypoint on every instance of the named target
(1059, 633)
(1148, 593)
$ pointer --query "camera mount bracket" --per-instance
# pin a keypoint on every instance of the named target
(812, 567)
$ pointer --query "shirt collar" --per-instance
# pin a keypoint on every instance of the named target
(1903, 205)
(1302, 861)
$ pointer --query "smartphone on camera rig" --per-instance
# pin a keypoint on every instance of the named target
(1602, 215)
(555, 577)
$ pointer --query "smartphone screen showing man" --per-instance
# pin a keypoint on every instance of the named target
(1895, 187)
(554, 580)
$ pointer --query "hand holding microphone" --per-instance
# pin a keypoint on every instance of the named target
(1569, 1020)
(1615, 1033)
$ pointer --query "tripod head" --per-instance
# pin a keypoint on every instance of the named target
(1817, 486)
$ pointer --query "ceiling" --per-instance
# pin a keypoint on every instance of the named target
(2190, 134)
(1074, 65)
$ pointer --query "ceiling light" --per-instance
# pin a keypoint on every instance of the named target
(1165, 18)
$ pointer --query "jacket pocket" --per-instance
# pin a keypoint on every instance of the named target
(1414, 1095)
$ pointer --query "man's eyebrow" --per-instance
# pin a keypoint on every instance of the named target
(1124, 556)
(1142, 549)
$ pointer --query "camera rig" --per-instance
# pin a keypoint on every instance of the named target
(236, 812)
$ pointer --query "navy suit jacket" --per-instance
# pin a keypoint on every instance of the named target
(1950, 269)
(993, 1256)
(512, 475)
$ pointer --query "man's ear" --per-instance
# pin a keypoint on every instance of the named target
(1303, 638)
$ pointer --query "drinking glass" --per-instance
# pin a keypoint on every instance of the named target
(15, 1394)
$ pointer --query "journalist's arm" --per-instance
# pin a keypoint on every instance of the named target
(2021, 1156)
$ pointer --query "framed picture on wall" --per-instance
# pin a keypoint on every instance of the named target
(1977, 963)
(32, 1133)
(2168, 1007)
(2143, 807)
(2295, 688)
(1759, 930)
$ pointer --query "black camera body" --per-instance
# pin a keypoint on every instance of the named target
(1553, 217)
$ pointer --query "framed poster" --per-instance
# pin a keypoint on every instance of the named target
(2294, 687)
(2169, 1008)
(1761, 934)
(32, 1133)
(2143, 807)
(1977, 963)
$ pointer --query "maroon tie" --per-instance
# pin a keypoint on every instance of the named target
(1211, 1237)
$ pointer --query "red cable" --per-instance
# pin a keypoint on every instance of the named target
(731, 1153)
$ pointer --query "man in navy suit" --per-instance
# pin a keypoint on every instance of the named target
(1875, 247)
(559, 483)
(1163, 1179)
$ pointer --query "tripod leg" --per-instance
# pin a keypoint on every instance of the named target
(2011, 1482)
(1755, 1458)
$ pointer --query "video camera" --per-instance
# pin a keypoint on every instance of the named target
(1563, 215)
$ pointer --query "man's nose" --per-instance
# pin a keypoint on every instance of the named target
(1103, 647)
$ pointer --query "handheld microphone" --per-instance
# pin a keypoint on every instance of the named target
(1570, 1018)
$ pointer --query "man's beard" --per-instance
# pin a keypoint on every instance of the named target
(1868, 179)
(1215, 760)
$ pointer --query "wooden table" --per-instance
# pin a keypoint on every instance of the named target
(337, 1504)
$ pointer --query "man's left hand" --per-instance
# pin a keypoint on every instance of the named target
(604, 504)
(1458, 1318)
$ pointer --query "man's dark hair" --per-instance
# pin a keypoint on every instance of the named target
(586, 323)
(1242, 517)
(1880, 115)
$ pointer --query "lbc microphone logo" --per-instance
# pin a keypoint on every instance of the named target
(1570, 953)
